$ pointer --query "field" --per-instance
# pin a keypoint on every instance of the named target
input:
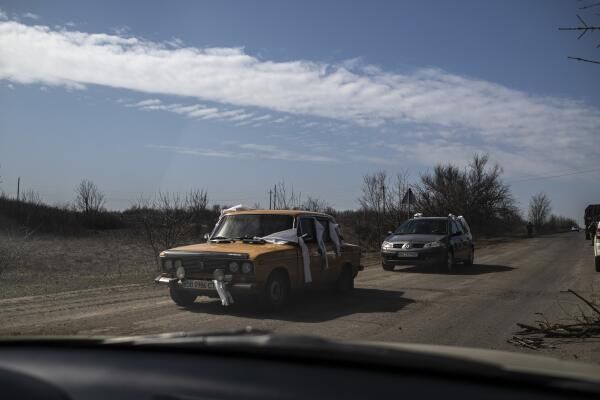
(49, 264)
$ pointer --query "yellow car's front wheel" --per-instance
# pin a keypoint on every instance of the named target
(182, 297)
(277, 291)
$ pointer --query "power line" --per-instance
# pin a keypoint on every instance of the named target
(575, 172)
(584, 60)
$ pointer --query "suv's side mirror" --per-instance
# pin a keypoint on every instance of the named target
(206, 236)
(390, 232)
(457, 233)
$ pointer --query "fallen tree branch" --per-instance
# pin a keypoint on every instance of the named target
(584, 326)
(586, 301)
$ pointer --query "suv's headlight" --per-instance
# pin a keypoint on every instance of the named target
(433, 244)
(180, 273)
(387, 245)
(168, 265)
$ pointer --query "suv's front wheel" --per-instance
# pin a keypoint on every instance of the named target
(387, 267)
(181, 297)
(471, 258)
(449, 265)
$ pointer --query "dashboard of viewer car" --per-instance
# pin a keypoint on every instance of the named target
(57, 371)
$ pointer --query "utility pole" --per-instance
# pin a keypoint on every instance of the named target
(270, 198)
(399, 202)
(275, 197)
(383, 190)
(409, 194)
(18, 187)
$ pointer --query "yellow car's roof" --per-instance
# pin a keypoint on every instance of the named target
(293, 213)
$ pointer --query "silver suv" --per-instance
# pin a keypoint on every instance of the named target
(430, 241)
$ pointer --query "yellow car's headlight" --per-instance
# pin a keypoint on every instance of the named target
(247, 267)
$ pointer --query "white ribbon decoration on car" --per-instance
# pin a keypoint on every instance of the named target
(305, 260)
(335, 237)
(320, 231)
(223, 292)
(239, 207)
(291, 236)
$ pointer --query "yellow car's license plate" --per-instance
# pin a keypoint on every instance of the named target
(197, 284)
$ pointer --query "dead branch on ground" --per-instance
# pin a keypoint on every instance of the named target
(581, 326)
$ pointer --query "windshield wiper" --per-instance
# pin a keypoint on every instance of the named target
(220, 238)
(249, 238)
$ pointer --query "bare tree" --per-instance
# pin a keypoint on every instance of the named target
(89, 200)
(315, 204)
(396, 210)
(168, 219)
(284, 198)
(373, 202)
(539, 209)
(478, 193)
(373, 191)
(559, 223)
(32, 197)
(196, 202)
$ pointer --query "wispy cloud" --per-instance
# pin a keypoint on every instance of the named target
(201, 111)
(281, 120)
(145, 103)
(247, 151)
(3, 15)
(473, 109)
(263, 118)
(121, 30)
(30, 15)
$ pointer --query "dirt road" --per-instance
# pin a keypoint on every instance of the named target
(475, 306)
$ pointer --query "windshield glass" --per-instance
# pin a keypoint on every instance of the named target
(252, 225)
(423, 227)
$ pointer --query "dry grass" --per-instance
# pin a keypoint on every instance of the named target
(49, 264)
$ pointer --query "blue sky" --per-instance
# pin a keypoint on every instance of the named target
(235, 96)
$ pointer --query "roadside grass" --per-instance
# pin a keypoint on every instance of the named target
(48, 264)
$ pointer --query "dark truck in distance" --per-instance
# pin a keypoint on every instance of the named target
(590, 217)
(429, 241)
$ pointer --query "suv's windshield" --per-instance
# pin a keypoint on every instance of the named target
(423, 227)
(252, 225)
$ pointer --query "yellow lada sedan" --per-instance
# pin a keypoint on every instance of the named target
(264, 255)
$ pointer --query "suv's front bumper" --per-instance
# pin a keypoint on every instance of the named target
(432, 256)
